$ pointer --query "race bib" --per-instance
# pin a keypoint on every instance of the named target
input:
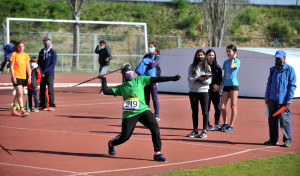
(131, 104)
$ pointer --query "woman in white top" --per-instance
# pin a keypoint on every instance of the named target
(199, 80)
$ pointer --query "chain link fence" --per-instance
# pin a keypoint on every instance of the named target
(124, 48)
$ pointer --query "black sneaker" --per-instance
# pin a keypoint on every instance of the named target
(269, 142)
(111, 150)
(223, 127)
(193, 134)
(160, 158)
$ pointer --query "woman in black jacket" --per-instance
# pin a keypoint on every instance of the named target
(214, 88)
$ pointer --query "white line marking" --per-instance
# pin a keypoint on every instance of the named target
(172, 164)
(41, 168)
(145, 167)
(133, 137)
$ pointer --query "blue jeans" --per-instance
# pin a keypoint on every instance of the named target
(103, 69)
(285, 122)
(152, 89)
(33, 93)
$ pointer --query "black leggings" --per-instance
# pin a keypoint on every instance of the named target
(195, 97)
(128, 125)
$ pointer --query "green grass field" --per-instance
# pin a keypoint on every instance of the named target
(282, 165)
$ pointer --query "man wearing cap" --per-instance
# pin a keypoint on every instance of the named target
(280, 92)
(104, 56)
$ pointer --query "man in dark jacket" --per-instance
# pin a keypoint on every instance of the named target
(104, 56)
(47, 60)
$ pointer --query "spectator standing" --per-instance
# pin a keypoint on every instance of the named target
(280, 90)
(149, 66)
(34, 86)
(8, 49)
(20, 71)
(231, 87)
(199, 81)
(214, 88)
(47, 61)
(104, 56)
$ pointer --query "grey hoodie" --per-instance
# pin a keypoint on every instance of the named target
(196, 85)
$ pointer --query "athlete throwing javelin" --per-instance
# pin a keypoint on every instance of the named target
(135, 108)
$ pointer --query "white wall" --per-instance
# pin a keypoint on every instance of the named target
(252, 75)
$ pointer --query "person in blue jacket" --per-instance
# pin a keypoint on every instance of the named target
(280, 90)
(47, 60)
(149, 66)
(9, 48)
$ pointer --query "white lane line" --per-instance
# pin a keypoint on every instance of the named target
(133, 137)
(42, 168)
(145, 167)
(172, 164)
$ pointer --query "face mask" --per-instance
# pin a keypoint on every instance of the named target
(279, 63)
(101, 47)
(200, 59)
(151, 50)
(33, 65)
(129, 74)
(47, 45)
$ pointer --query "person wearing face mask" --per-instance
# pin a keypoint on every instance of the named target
(280, 90)
(104, 56)
(46, 61)
(199, 80)
(149, 66)
(135, 108)
(33, 87)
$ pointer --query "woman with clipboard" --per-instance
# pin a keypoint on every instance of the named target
(199, 78)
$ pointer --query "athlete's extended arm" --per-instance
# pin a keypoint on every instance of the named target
(165, 78)
(105, 89)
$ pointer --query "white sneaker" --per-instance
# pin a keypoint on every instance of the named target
(217, 127)
(203, 135)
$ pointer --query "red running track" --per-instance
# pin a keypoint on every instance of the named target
(72, 140)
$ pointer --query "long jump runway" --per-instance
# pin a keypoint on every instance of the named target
(72, 140)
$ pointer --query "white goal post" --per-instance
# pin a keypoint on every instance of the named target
(7, 20)
(128, 41)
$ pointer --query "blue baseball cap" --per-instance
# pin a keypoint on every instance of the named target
(280, 54)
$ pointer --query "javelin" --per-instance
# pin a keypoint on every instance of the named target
(97, 76)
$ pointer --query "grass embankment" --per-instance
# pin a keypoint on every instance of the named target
(177, 19)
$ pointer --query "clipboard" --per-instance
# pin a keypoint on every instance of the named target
(207, 76)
